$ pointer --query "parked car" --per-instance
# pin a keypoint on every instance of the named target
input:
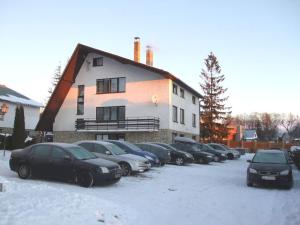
(191, 146)
(219, 156)
(128, 162)
(178, 157)
(135, 150)
(294, 153)
(163, 154)
(64, 162)
(270, 166)
(230, 153)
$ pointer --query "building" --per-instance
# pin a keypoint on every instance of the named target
(9, 100)
(105, 96)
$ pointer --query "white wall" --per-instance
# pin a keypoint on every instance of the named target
(141, 85)
(189, 108)
(31, 114)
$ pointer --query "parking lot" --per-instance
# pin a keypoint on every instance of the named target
(194, 194)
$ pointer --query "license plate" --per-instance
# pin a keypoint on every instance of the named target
(268, 178)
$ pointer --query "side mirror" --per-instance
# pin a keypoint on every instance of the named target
(108, 153)
(67, 158)
(249, 161)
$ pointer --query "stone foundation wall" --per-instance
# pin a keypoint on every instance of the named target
(134, 137)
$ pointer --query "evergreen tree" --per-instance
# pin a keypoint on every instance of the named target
(55, 79)
(18, 136)
(215, 116)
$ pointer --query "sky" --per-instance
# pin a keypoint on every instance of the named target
(256, 42)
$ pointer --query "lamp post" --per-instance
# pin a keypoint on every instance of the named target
(3, 111)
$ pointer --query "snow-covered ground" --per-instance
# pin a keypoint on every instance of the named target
(196, 194)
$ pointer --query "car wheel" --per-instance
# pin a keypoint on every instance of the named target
(24, 171)
(85, 179)
(249, 184)
(126, 169)
(179, 161)
(230, 156)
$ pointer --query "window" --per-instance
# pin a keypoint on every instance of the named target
(114, 113)
(181, 93)
(181, 135)
(112, 85)
(175, 114)
(175, 89)
(100, 149)
(182, 116)
(41, 151)
(58, 153)
(98, 61)
(194, 100)
(80, 100)
(194, 120)
(87, 146)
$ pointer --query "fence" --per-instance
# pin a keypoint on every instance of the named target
(254, 145)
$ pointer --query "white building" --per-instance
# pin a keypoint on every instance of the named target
(101, 96)
(9, 100)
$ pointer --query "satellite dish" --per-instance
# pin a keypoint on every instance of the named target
(155, 99)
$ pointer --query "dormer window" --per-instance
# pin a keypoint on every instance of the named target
(98, 61)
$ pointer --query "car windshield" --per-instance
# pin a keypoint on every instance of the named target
(133, 147)
(116, 150)
(80, 153)
(269, 157)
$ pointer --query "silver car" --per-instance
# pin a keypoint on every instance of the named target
(230, 153)
(105, 150)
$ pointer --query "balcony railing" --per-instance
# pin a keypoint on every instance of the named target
(129, 124)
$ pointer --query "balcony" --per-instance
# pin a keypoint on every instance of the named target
(129, 124)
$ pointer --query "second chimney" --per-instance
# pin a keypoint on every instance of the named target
(149, 56)
(137, 49)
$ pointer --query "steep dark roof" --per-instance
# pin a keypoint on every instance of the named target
(69, 75)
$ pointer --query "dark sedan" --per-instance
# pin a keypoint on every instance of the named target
(178, 157)
(219, 156)
(163, 154)
(64, 162)
(270, 167)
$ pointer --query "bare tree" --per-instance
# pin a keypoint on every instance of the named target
(288, 122)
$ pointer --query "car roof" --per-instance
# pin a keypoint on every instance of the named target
(270, 151)
(93, 141)
(60, 144)
(185, 139)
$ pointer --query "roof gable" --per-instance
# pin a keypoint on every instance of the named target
(70, 73)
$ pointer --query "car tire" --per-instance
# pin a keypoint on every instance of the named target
(249, 184)
(230, 156)
(24, 171)
(126, 169)
(179, 161)
(85, 179)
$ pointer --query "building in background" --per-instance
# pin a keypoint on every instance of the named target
(9, 100)
(105, 96)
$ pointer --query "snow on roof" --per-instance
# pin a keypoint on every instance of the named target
(19, 100)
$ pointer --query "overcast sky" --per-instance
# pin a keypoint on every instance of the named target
(257, 43)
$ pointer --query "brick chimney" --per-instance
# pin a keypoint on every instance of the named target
(137, 49)
(149, 56)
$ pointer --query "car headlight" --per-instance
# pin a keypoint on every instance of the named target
(223, 155)
(148, 157)
(104, 170)
(284, 172)
(209, 156)
(252, 171)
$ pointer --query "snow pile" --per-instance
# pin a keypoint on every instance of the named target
(195, 194)
(23, 101)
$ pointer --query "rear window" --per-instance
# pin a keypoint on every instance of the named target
(269, 157)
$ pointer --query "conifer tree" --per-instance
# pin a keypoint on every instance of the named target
(18, 136)
(215, 116)
(55, 79)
